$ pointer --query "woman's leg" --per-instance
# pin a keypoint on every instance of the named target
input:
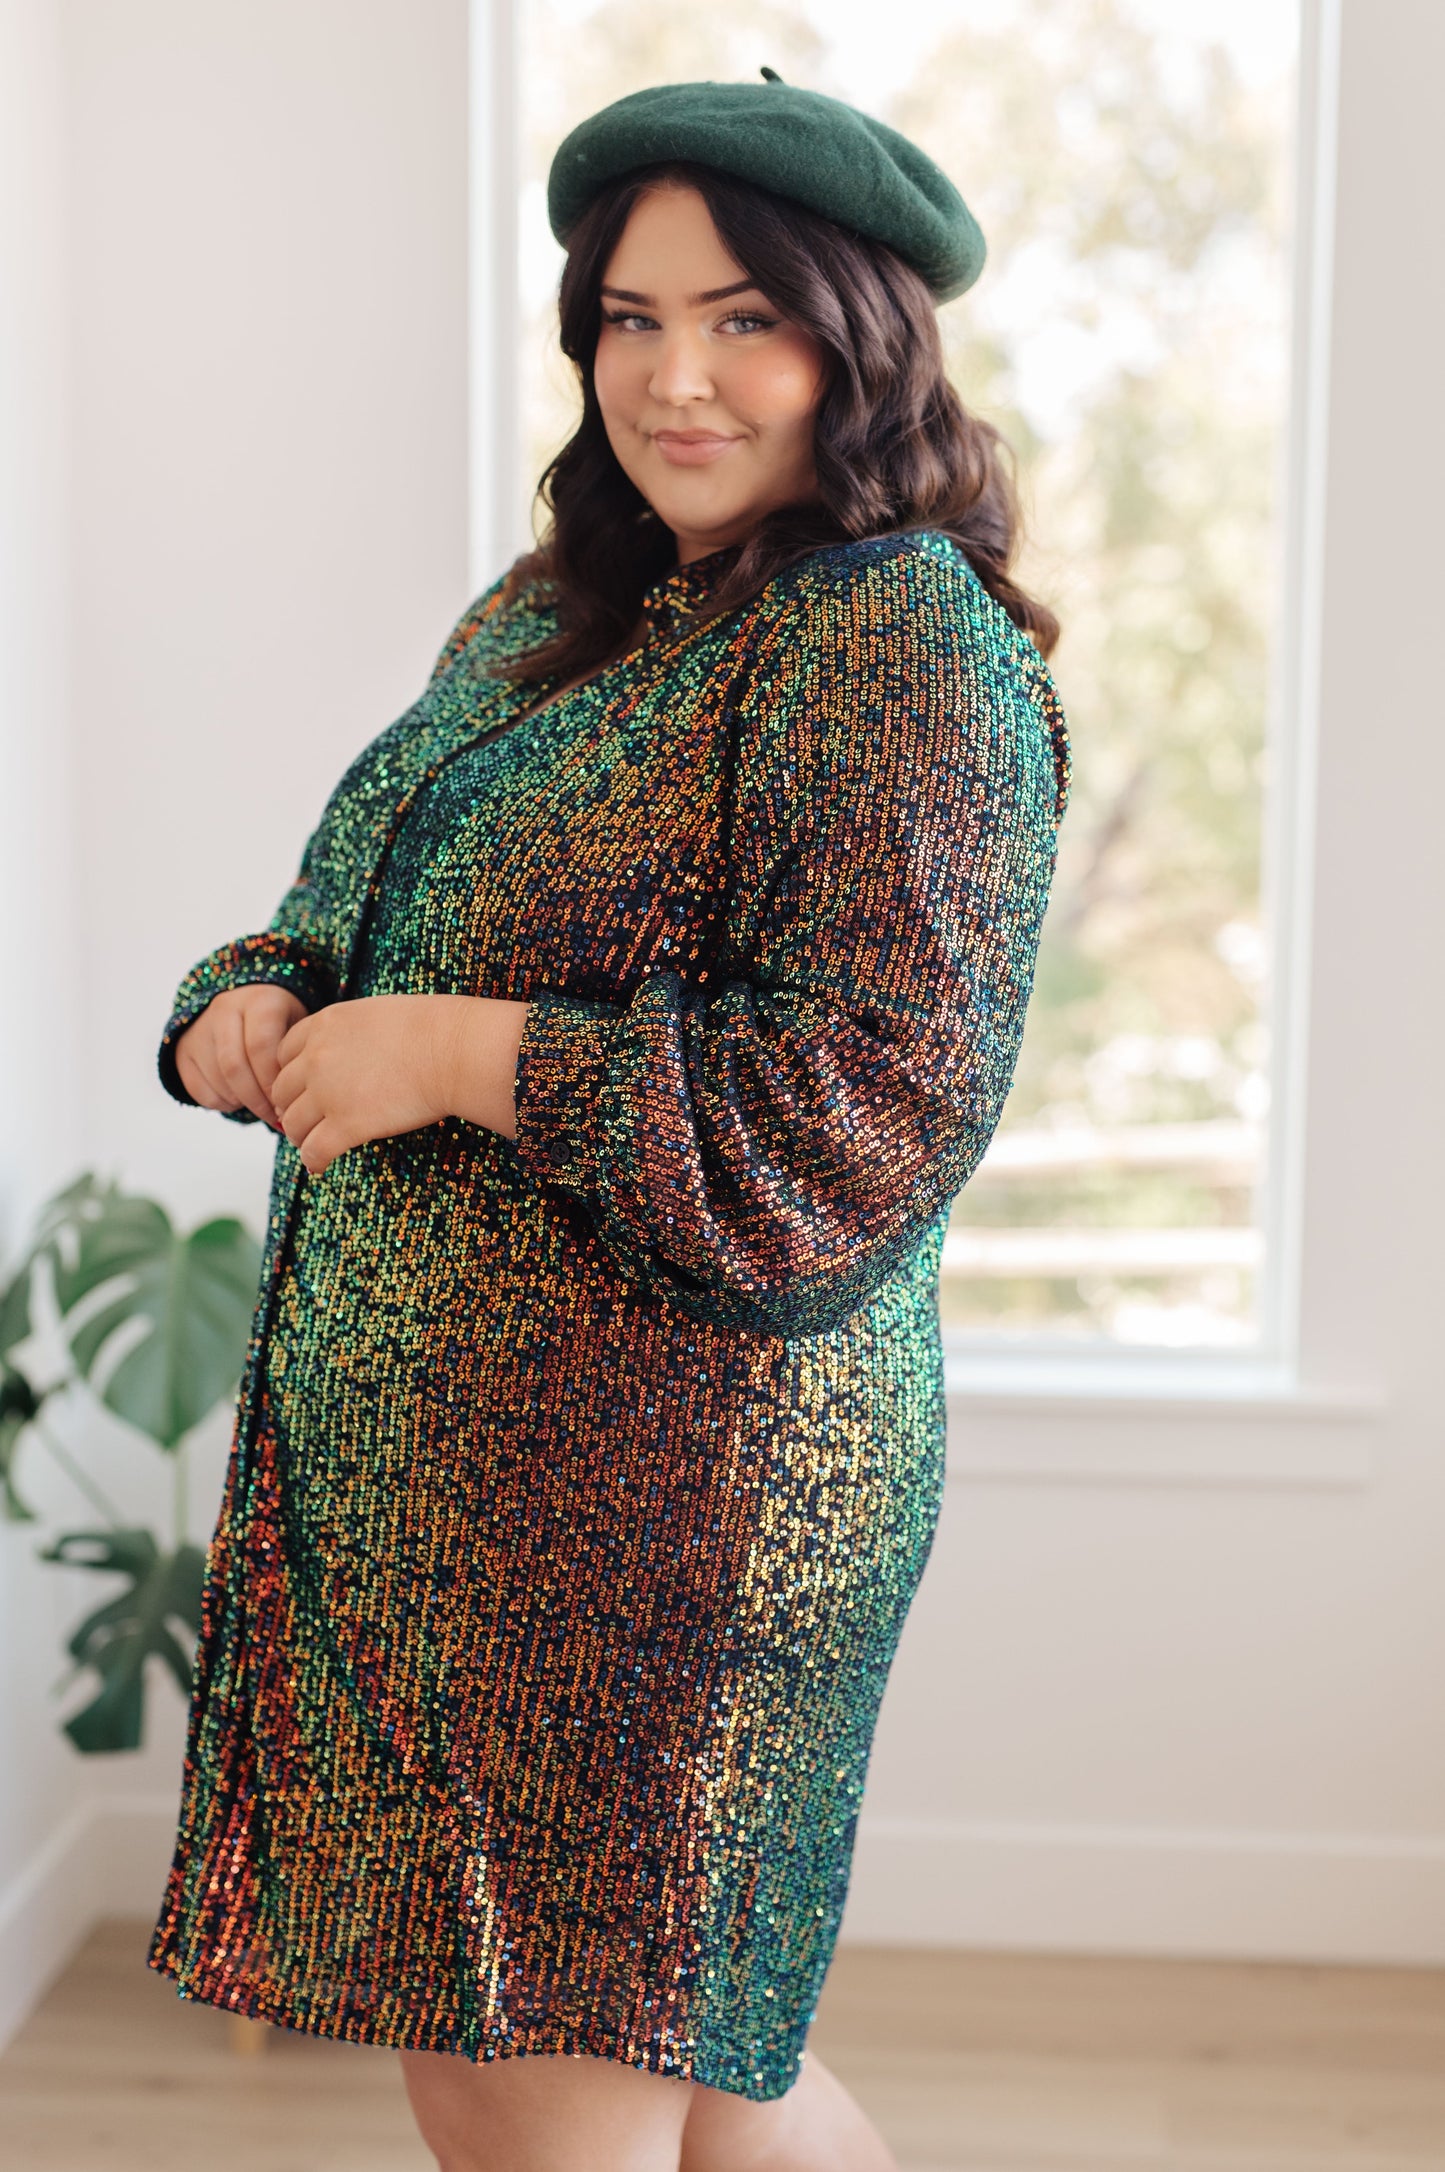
(556, 2114)
(816, 2127)
(541, 2112)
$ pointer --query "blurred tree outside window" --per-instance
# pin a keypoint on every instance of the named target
(1131, 163)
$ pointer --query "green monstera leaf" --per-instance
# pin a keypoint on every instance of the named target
(162, 1594)
(162, 1318)
(19, 1403)
(53, 1234)
(15, 1307)
(156, 1323)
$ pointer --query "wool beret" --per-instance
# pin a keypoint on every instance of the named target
(798, 143)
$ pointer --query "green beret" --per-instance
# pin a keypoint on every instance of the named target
(798, 143)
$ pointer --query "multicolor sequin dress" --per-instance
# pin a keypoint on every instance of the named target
(581, 1483)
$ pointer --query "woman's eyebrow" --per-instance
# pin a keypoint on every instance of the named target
(694, 301)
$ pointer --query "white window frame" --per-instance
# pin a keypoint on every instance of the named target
(1006, 1396)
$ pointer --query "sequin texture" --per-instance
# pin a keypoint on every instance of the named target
(581, 1483)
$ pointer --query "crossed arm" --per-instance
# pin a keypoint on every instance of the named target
(365, 1069)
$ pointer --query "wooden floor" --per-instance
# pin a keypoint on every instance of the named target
(969, 2063)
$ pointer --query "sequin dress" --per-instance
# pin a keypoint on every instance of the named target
(581, 1483)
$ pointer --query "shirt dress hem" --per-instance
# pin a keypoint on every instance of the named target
(258, 1999)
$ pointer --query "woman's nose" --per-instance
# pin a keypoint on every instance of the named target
(681, 370)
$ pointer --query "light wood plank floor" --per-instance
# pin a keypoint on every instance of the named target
(969, 2063)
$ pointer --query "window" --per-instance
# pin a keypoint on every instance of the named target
(1132, 165)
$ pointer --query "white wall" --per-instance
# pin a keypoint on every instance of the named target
(233, 252)
(270, 450)
(1173, 1680)
(38, 1113)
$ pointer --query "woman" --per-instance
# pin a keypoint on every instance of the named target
(646, 994)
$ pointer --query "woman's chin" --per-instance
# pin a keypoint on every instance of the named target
(709, 520)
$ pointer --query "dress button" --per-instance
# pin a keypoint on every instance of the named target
(559, 1151)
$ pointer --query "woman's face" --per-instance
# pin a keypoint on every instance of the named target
(707, 393)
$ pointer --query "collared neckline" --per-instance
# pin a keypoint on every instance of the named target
(685, 587)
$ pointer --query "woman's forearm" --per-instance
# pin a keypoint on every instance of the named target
(478, 1040)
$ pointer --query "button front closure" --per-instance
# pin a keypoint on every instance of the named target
(559, 1152)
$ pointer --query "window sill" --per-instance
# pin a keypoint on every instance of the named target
(1141, 1419)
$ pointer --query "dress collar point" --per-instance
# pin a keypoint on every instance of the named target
(687, 585)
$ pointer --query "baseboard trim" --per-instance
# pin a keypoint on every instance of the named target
(1281, 1896)
(107, 1858)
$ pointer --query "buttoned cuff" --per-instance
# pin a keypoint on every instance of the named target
(560, 1087)
(253, 960)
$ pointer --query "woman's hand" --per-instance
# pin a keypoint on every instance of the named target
(227, 1058)
(375, 1066)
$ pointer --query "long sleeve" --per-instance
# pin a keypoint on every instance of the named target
(299, 948)
(293, 952)
(765, 1145)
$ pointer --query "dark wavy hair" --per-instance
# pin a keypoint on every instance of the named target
(895, 449)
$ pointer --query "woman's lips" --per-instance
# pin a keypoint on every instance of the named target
(691, 448)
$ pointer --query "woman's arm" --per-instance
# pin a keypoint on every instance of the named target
(294, 954)
(382, 1065)
(227, 1059)
(298, 953)
(767, 1150)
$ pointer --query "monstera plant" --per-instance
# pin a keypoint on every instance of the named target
(151, 1323)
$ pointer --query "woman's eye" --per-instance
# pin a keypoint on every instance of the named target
(743, 320)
